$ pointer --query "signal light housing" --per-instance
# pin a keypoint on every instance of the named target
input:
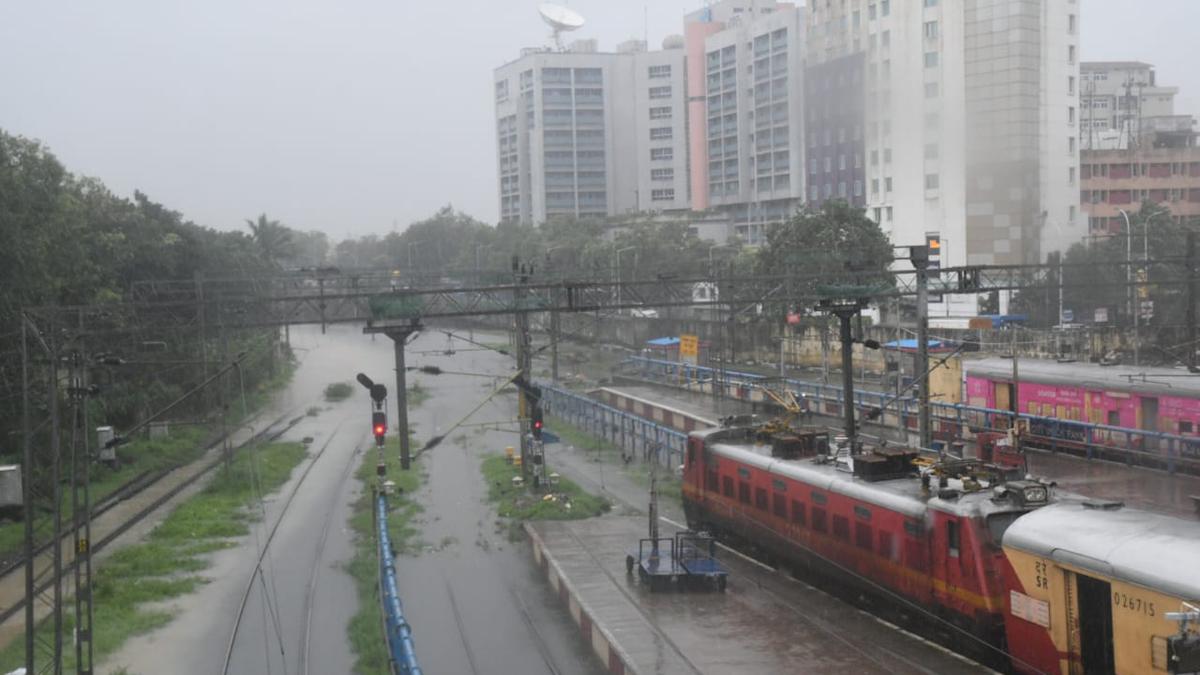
(379, 426)
(536, 423)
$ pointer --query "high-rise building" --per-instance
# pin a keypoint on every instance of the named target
(587, 134)
(746, 122)
(967, 112)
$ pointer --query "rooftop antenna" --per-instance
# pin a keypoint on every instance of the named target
(560, 19)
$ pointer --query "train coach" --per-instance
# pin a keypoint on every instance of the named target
(998, 566)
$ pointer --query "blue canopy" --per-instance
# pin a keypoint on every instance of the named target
(664, 342)
(910, 345)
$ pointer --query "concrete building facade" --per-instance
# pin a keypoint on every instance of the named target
(576, 138)
(1119, 101)
(969, 121)
(748, 145)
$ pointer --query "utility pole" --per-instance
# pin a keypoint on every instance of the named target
(81, 514)
(524, 363)
(1191, 300)
(845, 310)
(919, 256)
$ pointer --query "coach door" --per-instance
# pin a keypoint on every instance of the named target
(1090, 625)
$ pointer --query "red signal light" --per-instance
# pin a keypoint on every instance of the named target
(380, 430)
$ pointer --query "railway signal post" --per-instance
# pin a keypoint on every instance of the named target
(920, 258)
(400, 332)
(846, 309)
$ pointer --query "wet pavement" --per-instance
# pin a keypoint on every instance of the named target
(762, 623)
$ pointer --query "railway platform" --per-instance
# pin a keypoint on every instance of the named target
(765, 622)
(1137, 487)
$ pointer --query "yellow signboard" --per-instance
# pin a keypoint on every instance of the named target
(689, 348)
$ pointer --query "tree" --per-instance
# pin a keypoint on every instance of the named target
(274, 241)
(830, 244)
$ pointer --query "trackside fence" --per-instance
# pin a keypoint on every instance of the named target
(632, 433)
(950, 420)
(399, 634)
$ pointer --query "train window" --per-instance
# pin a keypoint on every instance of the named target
(780, 506)
(886, 545)
(713, 481)
(743, 492)
(953, 538)
(727, 486)
(1185, 427)
(841, 527)
(862, 512)
(818, 498)
(691, 457)
(818, 519)
(797, 512)
(914, 554)
(862, 536)
(760, 498)
(998, 522)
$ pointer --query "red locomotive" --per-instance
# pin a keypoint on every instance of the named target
(918, 534)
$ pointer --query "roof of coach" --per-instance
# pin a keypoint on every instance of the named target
(1152, 550)
(1150, 380)
(902, 495)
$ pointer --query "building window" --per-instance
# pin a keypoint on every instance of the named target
(660, 113)
(1071, 145)
(664, 195)
(660, 133)
(871, 12)
(887, 155)
(875, 188)
(1071, 114)
(858, 188)
(660, 92)
(1071, 24)
(660, 71)
(841, 162)
(931, 59)
(842, 189)
(885, 7)
(662, 153)
(874, 158)
(502, 90)
(885, 39)
(931, 89)
(887, 184)
(931, 151)
(878, 215)
(1070, 85)
(931, 181)
(931, 30)
(662, 174)
(889, 212)
(1071, 54)
(1070, 175)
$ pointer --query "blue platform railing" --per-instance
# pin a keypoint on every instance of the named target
(950, 419)
(625, 430)
(399, 633)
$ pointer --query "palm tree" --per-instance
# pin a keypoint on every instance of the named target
(273, 239)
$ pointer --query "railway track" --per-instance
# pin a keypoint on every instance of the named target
(126, 491)
(257, 572)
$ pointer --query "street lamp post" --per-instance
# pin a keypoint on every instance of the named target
(1133, 308)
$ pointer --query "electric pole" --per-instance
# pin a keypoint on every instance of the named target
(919, 256)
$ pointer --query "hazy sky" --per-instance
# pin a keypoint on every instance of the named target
(347, 115)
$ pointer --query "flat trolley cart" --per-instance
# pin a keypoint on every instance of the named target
(687, 560)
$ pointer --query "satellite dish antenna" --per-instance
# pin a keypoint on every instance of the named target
(560, 19)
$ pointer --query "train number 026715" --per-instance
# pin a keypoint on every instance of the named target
(1132, 603)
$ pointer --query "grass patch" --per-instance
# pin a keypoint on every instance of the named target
(167, 564)
(520, 503)
(417, 394)
(338, 391)
(365, 628)
(669, 485)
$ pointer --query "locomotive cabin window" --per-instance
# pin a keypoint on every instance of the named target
(862, 536)
(780, 506)
(818, 520)
(713, 480)
(841, 527)
(797, 512)
(760, 498)
(743, 492)
(953, 539)
(727, 486)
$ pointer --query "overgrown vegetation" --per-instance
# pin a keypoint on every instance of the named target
(338, 391)
(564, 501)
(669, 485)
(167, 564)
(365, 633)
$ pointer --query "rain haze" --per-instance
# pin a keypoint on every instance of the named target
(347, 117)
